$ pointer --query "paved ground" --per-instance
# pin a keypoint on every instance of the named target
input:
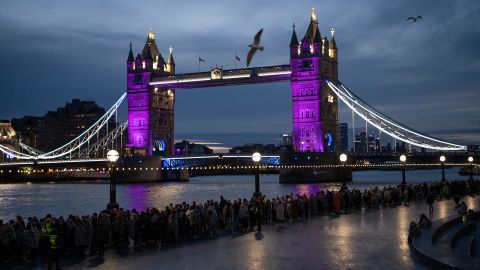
(374, 239)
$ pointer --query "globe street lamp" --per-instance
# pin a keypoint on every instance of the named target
(112, 157)
(442, 160)
(256, 157)
(343, 159)
(470, 159)
(403, 159)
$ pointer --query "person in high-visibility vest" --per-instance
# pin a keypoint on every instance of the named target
(54, 246)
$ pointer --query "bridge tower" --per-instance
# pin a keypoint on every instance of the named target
(314, 105)
(150, 109)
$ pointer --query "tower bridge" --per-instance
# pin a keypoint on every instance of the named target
(152, 83)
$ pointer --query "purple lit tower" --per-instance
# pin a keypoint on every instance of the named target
(150, 109)
(314, 105)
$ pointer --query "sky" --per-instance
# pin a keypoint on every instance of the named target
(426, 74)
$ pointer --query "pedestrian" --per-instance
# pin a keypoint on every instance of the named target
(53, 249)
(430, 200)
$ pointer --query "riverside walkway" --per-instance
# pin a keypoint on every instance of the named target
(374, 238)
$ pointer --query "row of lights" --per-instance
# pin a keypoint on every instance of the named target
(403, 159)
(223, 168)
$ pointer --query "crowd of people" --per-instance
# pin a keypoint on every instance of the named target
(77, 236)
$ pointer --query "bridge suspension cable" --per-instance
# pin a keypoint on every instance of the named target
(30, 149)
(74, 144)
(389, 126)
(104, 142)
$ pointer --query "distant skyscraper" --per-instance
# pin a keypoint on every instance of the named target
(343, 137)
(361, 142)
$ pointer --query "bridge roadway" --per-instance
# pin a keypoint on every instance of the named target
(220, 77)
(377, 160)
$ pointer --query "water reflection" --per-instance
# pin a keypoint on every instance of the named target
(74, 197)
(310, 189)
(137, 196)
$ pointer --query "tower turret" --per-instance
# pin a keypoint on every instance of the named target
(332, 49)
(325, 47)
(294, 45)
(170, 62)
(311, 36)
(158, 63)
(317, 43)
(148, 60)
(138, 62)
(130, 60)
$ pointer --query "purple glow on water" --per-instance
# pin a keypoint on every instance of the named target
(137, 197)
(92, 196)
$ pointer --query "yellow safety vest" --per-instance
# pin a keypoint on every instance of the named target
(53, 241)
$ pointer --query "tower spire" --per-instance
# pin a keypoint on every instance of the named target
(151, 35)
(170, 63)
(294, 39)
(314, 16)
(130, 54)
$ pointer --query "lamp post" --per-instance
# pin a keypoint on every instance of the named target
(442, 160)
(403, 159)
(343, 159)
(256, 157)
(470, 159)
(112, 157)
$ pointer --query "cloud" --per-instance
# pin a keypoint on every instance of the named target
(424, 74)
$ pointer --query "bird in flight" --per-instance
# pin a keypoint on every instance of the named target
(254, 46)
(414, 19)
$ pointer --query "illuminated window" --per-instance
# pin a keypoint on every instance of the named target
(330, 98)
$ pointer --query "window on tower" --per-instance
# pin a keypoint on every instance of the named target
(306, 64)
(330, 98)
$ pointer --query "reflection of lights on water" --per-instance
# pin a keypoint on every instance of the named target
(309, 189)
(137, 196)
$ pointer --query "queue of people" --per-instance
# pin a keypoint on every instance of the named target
(53, 237)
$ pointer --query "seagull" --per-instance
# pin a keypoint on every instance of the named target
(254, 46)
(414, 19)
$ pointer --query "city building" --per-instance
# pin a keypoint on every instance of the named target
(249, 149)
(186, 148)
(361, 142)
(58, 127)
(343, 137)
(8, 138)
(287, 143)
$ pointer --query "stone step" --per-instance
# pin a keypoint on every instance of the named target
(448, 236)
(434, 246)
(462, 247)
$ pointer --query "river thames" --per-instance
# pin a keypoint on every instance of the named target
(86, 197)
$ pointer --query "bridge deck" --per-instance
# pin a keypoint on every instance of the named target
(219, 77)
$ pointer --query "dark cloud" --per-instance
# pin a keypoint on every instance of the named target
(424, 74)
